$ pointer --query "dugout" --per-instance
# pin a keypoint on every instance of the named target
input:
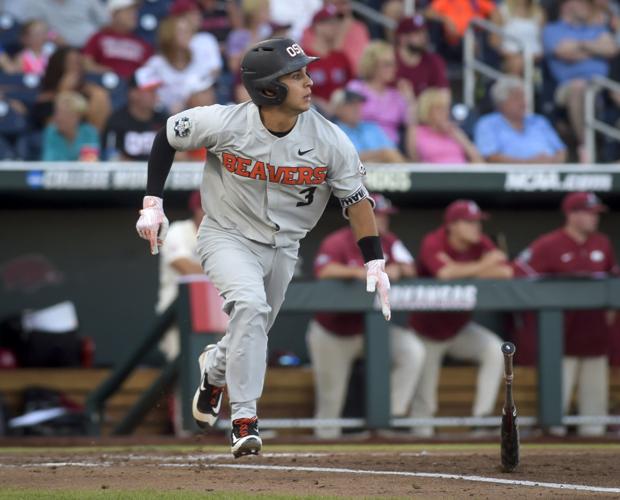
(80, 219)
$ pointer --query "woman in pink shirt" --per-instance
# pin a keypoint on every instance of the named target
(437, 138)
(388, 107)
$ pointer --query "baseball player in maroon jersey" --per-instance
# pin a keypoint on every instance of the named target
(458, 249)
(272, 165)
(336, 340)
(577, 248)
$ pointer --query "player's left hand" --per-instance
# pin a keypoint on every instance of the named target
(153, 223)
(377, 279)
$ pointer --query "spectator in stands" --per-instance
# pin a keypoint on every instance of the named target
(333, 70)
(67, 138)
(456, 250)
(130, 130)
(577, 248)
(385, 105)
(204, 45)
(219, 18)
(37, 48)
(336, 340)
(455, 16)
(178, 257)
(65, 72)
(576, 52)
(115, 47)
(370, 141)
(437, 138)
(255, 28)
(414, 61)
(75, 21)
(352, 37)
(176, 66)
(511, 135)
(286, 12)
(522, 21)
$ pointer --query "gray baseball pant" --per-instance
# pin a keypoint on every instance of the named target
(252, 278)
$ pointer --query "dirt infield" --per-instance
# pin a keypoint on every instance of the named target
(405, 471)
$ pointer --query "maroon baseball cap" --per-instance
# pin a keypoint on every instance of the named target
(327, 12)
(583, 201)
(383, 205)
(194, 202)
(463, 210)
(411, 25)
(180, 7)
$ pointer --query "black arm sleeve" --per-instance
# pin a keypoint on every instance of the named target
(160, 162)
(371, 248)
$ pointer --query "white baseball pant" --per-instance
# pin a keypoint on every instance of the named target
(591, 374)
(472, 343)
(332, 358)
(252, 278)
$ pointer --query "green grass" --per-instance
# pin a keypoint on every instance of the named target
(155, 495)
(309, 448)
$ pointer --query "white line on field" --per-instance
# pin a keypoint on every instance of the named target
(432, 475)
(435, 475)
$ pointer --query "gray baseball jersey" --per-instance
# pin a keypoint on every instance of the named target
(271, 189)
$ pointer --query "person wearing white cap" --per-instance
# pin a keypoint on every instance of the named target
(115, 47)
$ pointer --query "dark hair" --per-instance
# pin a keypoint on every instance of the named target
(56, 68)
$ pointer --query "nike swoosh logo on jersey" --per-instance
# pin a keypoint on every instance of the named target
(301, 153)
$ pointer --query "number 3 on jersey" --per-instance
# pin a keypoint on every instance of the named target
(308, 198)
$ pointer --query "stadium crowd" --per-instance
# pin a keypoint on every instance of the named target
(91, 80)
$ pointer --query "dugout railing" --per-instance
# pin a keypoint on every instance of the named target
(200, 321)
(549, 298)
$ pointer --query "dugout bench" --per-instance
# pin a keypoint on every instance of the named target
(199, 317)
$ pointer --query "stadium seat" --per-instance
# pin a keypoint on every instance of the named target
(6, 151)
(12, 123)
(147, 28)
(10, 31)
(21, 87)
(18, 80)
(116, 87)
(29, 146)
(158, 8)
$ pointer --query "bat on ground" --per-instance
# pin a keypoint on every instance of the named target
(510, 428)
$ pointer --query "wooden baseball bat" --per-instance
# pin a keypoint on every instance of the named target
(510, 427)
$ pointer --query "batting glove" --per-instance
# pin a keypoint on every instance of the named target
(153, 223)
(377, 279)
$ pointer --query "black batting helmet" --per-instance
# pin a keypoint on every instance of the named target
(265, 62)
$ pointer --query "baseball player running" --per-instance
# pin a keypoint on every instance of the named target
(271, 166)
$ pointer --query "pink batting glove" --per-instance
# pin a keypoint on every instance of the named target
(153, 223)
(376, 278)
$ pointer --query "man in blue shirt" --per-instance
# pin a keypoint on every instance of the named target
(510, 135)
(576, 52)
(370, 141)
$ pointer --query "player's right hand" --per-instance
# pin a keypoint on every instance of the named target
(153, 223)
